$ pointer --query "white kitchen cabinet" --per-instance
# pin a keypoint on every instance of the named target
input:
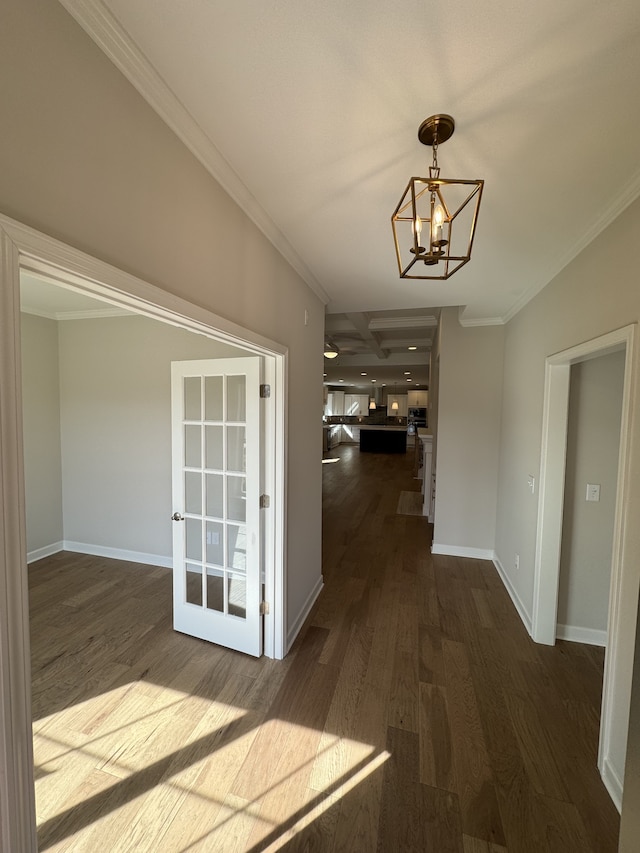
(350, 434)
(356, 405)
(335, 436)
(417, 399)
(335, 403)
(348, 404)
(403, 405)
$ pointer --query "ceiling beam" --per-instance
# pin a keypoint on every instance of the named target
(379, 324)
(361, 324)
(400, 359)
(401, 344)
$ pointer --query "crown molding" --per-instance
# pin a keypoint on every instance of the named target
(92, 314)
(478, 321)
(625, 197)
(98, 22)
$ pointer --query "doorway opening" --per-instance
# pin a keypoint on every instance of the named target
(24, 249)
(550, 523)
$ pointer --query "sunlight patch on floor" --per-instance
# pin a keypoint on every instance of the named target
(325, 800)
(96, 748)
(148, 768)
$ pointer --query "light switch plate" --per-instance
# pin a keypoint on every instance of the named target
(593, 492)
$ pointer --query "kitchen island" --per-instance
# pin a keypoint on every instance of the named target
(383, 438)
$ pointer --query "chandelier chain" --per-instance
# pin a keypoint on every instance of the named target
(434, 171)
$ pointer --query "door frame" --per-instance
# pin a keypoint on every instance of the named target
(549, 525)
(22, 247)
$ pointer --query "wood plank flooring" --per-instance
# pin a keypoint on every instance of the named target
(413, 713)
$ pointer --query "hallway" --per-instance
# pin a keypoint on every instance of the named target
(492, 739)
(413, 713)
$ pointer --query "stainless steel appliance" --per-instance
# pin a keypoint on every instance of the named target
(416, 418)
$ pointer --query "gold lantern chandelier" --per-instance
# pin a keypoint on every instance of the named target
(435, 220)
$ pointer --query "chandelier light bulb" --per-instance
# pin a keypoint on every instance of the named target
(436, 226)
(417, 228)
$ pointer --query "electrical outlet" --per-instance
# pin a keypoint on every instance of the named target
(516, 562)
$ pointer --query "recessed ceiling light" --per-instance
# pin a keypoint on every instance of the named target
(409, 380)
(374, 380)
(412, 348)
(363, 374)
(407, 373)
(342, 380)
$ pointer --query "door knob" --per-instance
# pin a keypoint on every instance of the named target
(177, 517)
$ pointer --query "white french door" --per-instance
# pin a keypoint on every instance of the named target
(216, 468)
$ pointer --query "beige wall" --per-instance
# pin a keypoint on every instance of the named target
(115, 403)
(598, 292)
(83, 158)
(593, 442)
(468, 428)
(41, 417)
(97, 430)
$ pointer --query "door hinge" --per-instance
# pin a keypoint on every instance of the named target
(264, 608)
(265, 501)
(265, 390)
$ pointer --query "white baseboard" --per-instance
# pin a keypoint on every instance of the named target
(612, 783)
(304, 612)
(118, 554)
(460, 551)
(590, 636)
(515, 598)
(47, 551)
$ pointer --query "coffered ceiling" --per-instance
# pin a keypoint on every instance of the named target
(390, 347)
(307, 113)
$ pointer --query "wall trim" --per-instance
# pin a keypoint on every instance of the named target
(99, 551)
(118, 554)
(462, 551)
(17, 793)
(523, 613)
(575, 634)
(46, 551)
(304, 612)
(612, 783)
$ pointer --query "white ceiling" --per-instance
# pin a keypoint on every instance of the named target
(308, 112)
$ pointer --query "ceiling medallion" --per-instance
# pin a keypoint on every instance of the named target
(435, 220)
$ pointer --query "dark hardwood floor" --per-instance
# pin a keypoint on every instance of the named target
(412, 714)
